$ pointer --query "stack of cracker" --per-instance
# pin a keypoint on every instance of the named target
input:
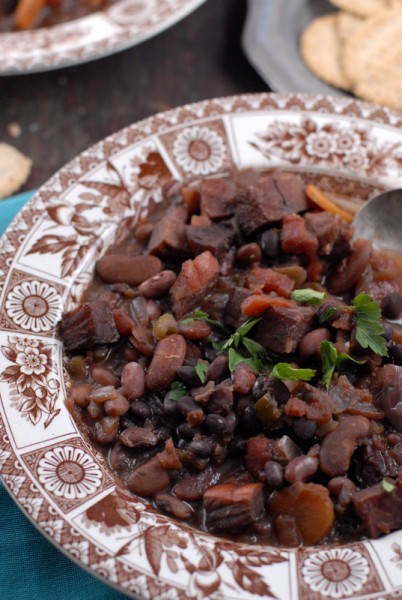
(359, 49)
(14, 169)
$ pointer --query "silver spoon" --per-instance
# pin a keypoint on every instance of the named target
(380, 221)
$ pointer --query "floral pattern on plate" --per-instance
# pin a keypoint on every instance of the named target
(47, 258)
(124, 24)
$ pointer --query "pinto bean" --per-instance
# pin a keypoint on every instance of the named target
(143, 232)
(121, 268)
(95, 410)
(148, 479)
(138, 437)
(118, 455)
(117, 407)
(158, 285)
(249, 254)
(80, 393)
(301, 468)
(102, 394)
(105, 431)
(153, 310)
(133, 381)
(311, 343)
(104, 376)
(338, 446)
(174, 506)
(243, 379)
(350, 269)
(168, 357)
(194, 330)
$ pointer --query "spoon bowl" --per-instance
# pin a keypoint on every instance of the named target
(380, 221)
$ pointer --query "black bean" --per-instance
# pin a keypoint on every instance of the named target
(388, 332)
(274, 387)
(238, 445)
(218, 368)
(189, 375)
(185, 431)
(250, 422)
(304, 429)
(392, 306)
(221, 426)
(395, 352)
(186, 405)
(221, 401)
(140, 409)
(170, 407)
(200, 447)
(270, 242)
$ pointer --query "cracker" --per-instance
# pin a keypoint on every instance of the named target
(321, 50)
(362, 8)
(372, 58)
(14, 169)
(348, 25)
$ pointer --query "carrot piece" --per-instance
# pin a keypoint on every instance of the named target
(319, 198)
(310, 505)
(256, 304)
(28, 12)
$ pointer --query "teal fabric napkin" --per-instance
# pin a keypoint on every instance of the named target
(31, 568)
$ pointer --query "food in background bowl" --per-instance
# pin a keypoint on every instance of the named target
(231, 359)
(358, 49)
(30, 14)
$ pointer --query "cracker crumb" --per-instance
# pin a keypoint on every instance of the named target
(14, 129)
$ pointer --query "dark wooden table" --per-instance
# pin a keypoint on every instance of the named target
(61, 113)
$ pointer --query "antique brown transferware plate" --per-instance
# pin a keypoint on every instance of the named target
(46, 260)
(117, 27)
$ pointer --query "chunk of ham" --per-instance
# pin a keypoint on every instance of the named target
(228, 505)
(268, 201)
(195, 280)
(217, 198)
(215, 238)
(168, 236)
(380, 510)
(282, 328)
(88, 325)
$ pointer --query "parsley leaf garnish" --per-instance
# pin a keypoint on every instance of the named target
(369, 331)
(284, 371)
(236, 337)
(235, 358)
(331, 359)
(308, 295)
(200, 315)
(327, 314)
(177, 391)
(201, 370)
